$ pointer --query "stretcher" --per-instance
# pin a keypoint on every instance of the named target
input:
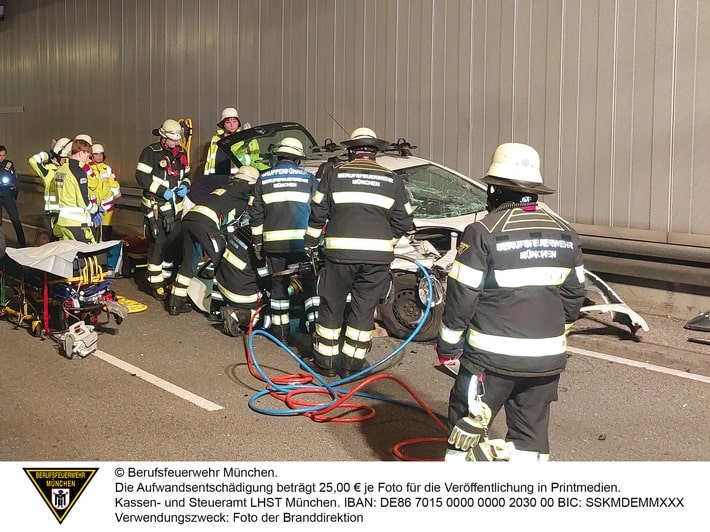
(59, 291)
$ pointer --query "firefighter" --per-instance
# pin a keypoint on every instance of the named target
(78, 215)
(366, 208)
(163, 174)
(279, 218)
(204, 224)
(218, 162)
(105, 173)
(513, 292)
(110, 190)
(238, 289)
(45, 164)
(8, 195)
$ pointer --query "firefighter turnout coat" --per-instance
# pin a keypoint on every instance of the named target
(366, 208)
(281, 206)
(203, 223)
(158, 170)
(515, 288)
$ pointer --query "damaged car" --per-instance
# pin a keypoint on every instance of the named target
(445, 202)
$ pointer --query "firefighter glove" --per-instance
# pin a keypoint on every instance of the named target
(182, 191)
(310, 242)
(469, 431)
(258, 251)
(168, 223)
(168, 194)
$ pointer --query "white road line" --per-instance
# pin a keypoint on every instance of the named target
(160, 383)
(644, 365)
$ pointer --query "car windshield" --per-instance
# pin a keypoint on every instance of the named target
(435, 192)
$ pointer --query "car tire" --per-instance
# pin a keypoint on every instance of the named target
(403, 313)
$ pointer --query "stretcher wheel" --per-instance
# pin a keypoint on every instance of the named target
(36, 329)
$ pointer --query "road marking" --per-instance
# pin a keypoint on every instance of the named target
(644, 365)
(160, 383)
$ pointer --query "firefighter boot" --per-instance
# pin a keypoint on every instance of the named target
(178, 305)
(159, 293)
(281, 332)
(351, 365)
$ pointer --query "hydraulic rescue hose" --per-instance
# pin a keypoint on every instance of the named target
(287, 388)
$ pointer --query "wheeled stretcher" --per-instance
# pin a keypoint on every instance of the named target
(59, 290)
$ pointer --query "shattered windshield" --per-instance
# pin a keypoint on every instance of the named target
(435, 192)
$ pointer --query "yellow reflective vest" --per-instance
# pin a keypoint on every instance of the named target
(75, 208)
(45, 168)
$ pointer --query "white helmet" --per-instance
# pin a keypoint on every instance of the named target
(289, 147)
(516, 167)
(247, 173)
(61, 145)
(84, 137)
(364, 136)
(228, 112)
(170, 130)
(97, 148)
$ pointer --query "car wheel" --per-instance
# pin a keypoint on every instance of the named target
(403, 314)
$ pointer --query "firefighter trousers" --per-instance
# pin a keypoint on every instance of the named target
(347, 336)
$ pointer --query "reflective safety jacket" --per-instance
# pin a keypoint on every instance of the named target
(281, 206)
(105, 173)
(43, 165)
(516, 284)
(366, 208)
(99, 191)
(158, 170)
(218, 163)
(223, 205)
(75, 208)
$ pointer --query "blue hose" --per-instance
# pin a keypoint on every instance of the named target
(333, 388)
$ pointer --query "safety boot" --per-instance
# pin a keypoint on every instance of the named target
(160, 294)
(350, 365)
(281, 333)
(178, 305)
(326, 366)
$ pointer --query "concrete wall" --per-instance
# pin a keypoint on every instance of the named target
(611, 92)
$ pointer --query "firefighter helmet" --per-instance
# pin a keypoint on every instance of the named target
(170, 130)
(289, 147)
(516, 167)
(61, 145)
(97, 148)
(228, 112)
(364, 136)
(85, 138)
(248, 174)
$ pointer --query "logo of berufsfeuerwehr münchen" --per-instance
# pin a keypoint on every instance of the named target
(60, 488)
